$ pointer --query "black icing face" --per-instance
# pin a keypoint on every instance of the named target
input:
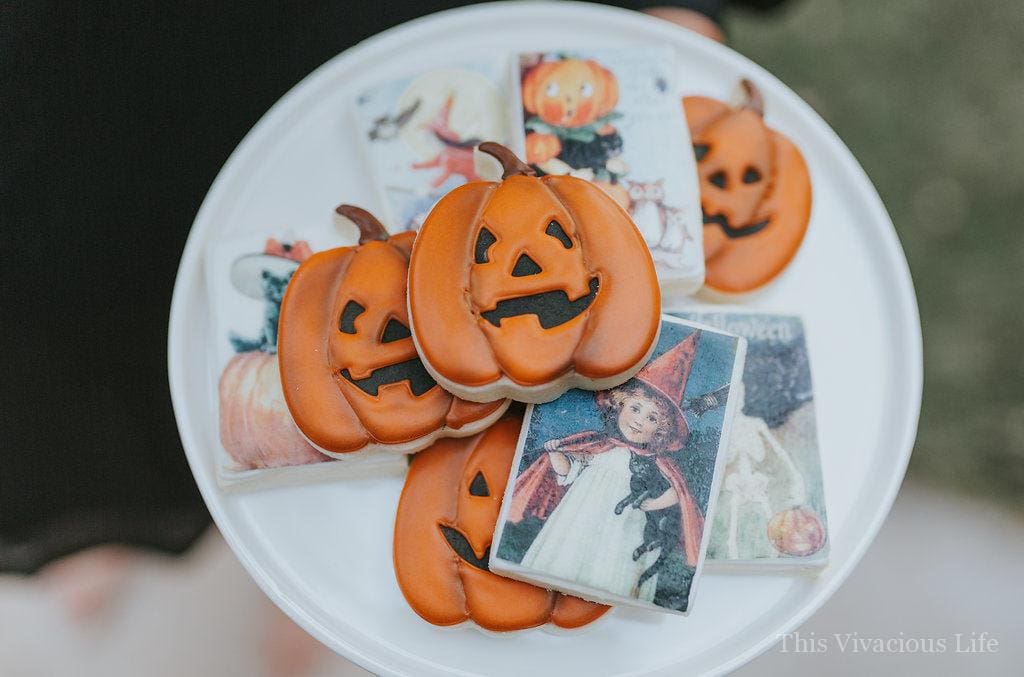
(736, 187)
(553, 307)
(458, 543)
(394, 341)
(474, 511)
(730, 231)
(412, 371)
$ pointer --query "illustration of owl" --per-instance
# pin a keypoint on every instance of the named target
(647, 200)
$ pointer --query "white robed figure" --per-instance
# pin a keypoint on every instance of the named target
(580, 480)
(583, 540)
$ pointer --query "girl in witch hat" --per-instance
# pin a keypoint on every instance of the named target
(590, 533)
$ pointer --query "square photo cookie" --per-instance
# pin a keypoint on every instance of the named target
(771, 511)
(418, 135)
(260, 445)
(613, 117)
(611, 490)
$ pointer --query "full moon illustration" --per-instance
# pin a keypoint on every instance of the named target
(477, 109)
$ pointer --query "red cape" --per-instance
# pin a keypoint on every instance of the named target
(537, 492)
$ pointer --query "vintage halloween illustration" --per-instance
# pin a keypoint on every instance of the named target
(256, 429)
(351, 376)
(755, 191)
(530, 286)
(443, 533)
(418, 135)
(259, 442)
(772, 504)
(612, 489)
(611, 117)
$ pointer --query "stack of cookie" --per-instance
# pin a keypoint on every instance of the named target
(567, 441)
(515, 290)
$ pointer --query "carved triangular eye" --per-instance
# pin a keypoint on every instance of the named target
(700, 150)
(525, 266)
(347, 322)
(751, 175)
(483, 242)
(478, 487)
(394, 331)
(556, 231)
(718, 179)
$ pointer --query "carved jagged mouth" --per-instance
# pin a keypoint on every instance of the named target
(463, 549)
(731, 232)
(552, 308)
(412, 371)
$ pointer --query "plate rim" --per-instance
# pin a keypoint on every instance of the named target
(190, 268)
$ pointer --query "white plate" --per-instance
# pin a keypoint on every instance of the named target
(323, 553)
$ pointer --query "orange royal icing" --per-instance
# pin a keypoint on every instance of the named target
(755, 192)
(449, 505)
(349, 369)
(530, 278)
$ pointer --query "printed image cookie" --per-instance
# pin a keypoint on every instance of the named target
(611, 116)
(349, 370)
(443, 533)
(755, 191)
(610, 491)
(528, 287)
(256, 430)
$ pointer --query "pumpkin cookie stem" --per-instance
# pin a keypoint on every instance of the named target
(510, 164)
(752, 97)
(369, 227)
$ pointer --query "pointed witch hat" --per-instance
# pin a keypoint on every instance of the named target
(666, 376)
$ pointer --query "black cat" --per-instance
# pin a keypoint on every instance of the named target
(594, 154)
(662, 528)
(273, 292)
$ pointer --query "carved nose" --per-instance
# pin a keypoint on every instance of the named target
(394, 331)
(525, 266)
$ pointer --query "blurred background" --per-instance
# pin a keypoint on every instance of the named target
(929, 96)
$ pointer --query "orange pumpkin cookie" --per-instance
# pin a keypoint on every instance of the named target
(755, 191)
(530, 286)
(349, 370)
(443, 531)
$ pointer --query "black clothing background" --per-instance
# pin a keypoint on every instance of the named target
(114, 120)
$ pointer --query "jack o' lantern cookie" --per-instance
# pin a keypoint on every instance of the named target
(443, 531)
(755, 191)
(349, 369)
(528, 287)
